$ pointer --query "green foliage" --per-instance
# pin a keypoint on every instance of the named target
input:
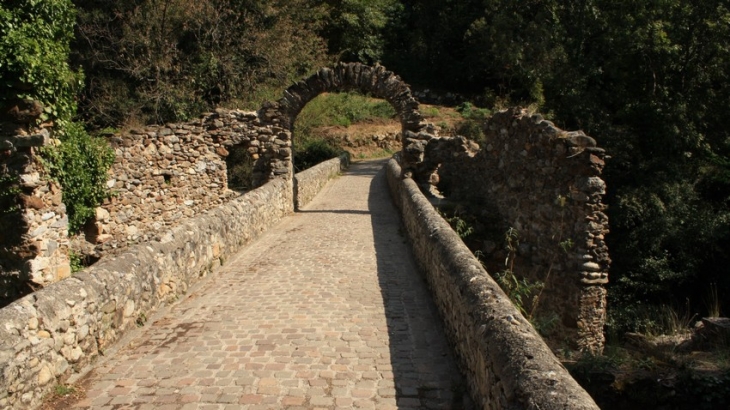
(472, 124)
(34, 55)
(341, 109)
(76, 261)
(462, 227)
(523, 292)
(64, 390)
(355, 30)
(712, 390)
(313, 151)
(157, 61)
(80, 165)
(471, 112)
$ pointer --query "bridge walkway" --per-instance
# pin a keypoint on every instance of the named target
(327, 310)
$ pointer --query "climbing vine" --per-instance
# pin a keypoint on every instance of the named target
(80, 165)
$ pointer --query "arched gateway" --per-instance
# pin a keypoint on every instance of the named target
(376, 81)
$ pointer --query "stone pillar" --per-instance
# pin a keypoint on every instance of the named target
(33, 221)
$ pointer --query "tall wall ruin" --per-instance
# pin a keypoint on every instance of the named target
(33, 222)
(545, 184)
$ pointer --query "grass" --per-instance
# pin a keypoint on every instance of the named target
(341, 109)
(63, 390)
(712, 301)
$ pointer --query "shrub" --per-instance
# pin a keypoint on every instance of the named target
(34, 56)
(312, 152)
(80, 165)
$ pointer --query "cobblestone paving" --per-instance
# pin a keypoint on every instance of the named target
(324, 311)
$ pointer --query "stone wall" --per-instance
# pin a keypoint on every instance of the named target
(163, 174)
(33, 222)
(507, 364)
(54, 332)
(309, 182)
(545, 184)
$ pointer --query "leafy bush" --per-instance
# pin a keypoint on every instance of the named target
(34, 55)
(472, 124)
(34, 66)
(312, 152)
(80, 165)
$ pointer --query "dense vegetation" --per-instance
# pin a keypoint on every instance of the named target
(647, 78)
(35, 39)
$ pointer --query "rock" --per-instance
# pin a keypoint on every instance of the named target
(34, 202)
(591, 267)
(128, 308)
(45, 376)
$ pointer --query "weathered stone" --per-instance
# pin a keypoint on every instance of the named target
(129, 308)
(32, 202)
(45, 375)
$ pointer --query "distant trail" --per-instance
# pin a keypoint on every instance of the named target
(326, 310)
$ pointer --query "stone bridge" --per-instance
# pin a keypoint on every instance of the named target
(342, 304)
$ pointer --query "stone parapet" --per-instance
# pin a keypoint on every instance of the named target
(506, 363)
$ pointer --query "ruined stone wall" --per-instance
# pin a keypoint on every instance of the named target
(164, 174)
(33, 221)
(506, 363)
(545, 183)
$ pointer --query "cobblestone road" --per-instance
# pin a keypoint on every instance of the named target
(324, 311)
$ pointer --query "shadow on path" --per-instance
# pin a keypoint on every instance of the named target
(424, 366)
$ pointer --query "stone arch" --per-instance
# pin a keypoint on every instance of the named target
(376, 81)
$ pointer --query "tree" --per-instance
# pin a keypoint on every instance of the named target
(355, 29)
(167, 60)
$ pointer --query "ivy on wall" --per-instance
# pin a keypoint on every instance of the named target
(80, 165)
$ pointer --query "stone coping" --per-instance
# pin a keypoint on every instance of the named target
(505, 361)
